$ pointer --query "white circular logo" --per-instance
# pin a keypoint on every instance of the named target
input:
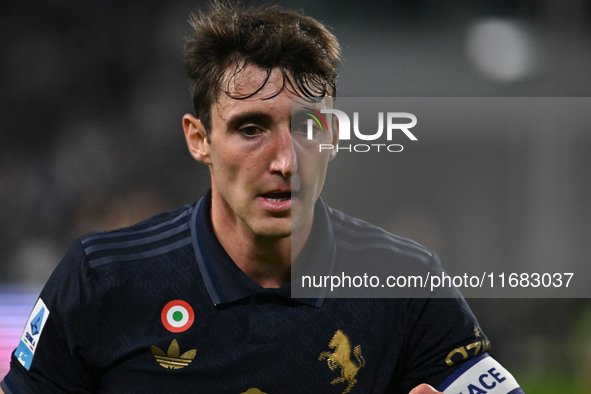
(177, 316)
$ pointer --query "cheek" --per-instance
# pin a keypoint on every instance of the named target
(241, 169)
(313, 173)
(241, 163)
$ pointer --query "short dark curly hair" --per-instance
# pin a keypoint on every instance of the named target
(229, 37)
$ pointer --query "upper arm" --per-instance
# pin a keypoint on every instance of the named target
(448, 349)
(48, 356)
(482, 374)
(442, 334)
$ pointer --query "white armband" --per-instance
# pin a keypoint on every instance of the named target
(480, 375)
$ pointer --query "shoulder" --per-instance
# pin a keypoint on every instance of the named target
(155, 236)
(100, 261)
(357, 236)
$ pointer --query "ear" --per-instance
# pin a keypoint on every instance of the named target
(335, 137)
(196, 138)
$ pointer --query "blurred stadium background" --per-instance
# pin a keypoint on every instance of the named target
(90, 106)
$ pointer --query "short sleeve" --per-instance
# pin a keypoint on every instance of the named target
(50, 353)
(442, 334)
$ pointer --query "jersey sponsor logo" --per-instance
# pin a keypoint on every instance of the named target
(173, 359)
(25, 350)
(177, 316)
(341, 357)
(483, 375)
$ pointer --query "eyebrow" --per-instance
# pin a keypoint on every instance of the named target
(251, 116)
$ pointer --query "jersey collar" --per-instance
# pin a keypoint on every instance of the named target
(226, 283)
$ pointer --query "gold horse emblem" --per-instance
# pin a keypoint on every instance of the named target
(341, 358)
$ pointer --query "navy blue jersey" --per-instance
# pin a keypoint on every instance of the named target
(160, 307)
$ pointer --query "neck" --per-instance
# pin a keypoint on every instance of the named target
(264, 259)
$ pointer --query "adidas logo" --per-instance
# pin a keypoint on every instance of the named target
(171, 359)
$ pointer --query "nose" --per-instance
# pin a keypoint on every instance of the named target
(285, 160)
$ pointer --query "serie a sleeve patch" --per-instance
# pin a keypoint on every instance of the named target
(480, 375)
(31, 334)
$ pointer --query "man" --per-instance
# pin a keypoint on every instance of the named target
(198, 299)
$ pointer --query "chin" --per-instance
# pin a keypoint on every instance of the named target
(274, 233)
(274, 230)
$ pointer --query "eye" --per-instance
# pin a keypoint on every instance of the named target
(250, 131)
(308, 129)
(302, 123)
(298, 123)
(299, 127)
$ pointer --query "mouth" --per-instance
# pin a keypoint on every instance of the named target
(277, 196)
(277, 201)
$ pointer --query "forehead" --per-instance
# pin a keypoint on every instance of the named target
(251, 87)
(258, 90)
(244, 81)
